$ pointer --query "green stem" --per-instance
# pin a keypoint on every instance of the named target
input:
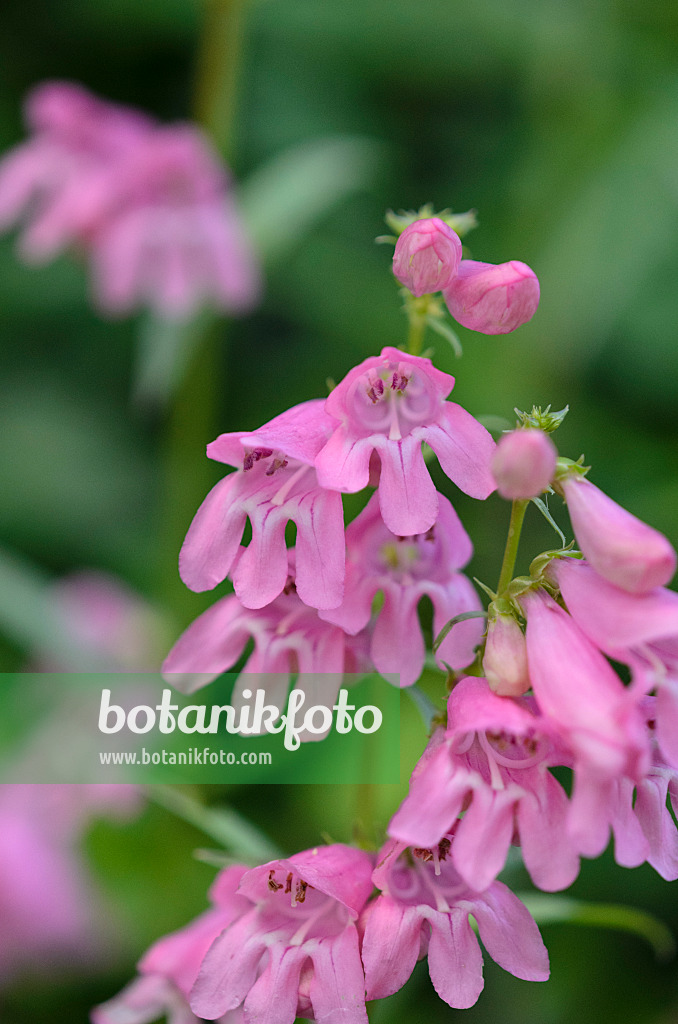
(512, 541)
(415, 338)
(193, 419)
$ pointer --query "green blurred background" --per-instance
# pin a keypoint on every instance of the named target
(557, 121)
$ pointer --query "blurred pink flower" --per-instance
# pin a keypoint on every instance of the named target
(295, 952)
(424, 908)
(391, 404)
(426, 256)
(149, 205)
(51, 913)
(493, 299)
(405, 569)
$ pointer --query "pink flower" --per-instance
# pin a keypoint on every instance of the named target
(619, 546)
(426, 256)
(58, 180)
(289, 638)
(51, 913)
(424, 909)
(492, 763)
(505, 658)
(149, 205)
(523, 464)
(173, 238)
(596, 716)
(295, 952)
(493, 299)
(639, 629)
(390, 404)
(169, 968)
(405, 569)
(276, 483)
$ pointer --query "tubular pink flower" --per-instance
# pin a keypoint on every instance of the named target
(390, 404)
(505, 657)
(598, 718)
(405, 569)
(638, 629)
(620, 547)
(423, 909)
(296, 950)
(427, 255)
(276, 483)
(491, 762)
(169, 968)
(523, 464)
(289, 638)
(493, 299)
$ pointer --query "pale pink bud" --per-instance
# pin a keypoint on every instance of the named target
(493, 299)
(620, 547)
(523, 464)
(427, 256)
(505, 658)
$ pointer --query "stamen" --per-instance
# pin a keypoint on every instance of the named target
(375, 392)
(288, 883)
(279, 463)
(254, 455)
(272, 884)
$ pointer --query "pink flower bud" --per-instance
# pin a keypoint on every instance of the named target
(493, 299)
(523, 464)
(427, 256)
(505, 658)
(620, 547)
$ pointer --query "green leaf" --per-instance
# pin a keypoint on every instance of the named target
(446, 332)
(447, 628)
(282, 200)
(423, 703)
(236, 834)
(557, 909)
(543, 508)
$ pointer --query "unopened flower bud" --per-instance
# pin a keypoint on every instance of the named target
(492, 299)
(620, 547)
(427, 256)
(523, 464)
(505, 658)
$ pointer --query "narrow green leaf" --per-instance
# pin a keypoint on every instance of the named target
(163, 352)
(543, 508)
(447, 628)
(281, 201)
(235, 833)
(557, 909)
(446, 332)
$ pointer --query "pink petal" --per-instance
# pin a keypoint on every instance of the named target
(455, 962)
(344, 462)
(320, 549)
(273, 996)
(230, 968)
(464, 449)
(397, 642)
(510, 934)
(390, 947)
(337, 989)
(549, 857)
(484, 835)
(658, 826)
(435, 799)
(407, 495)
(213, 538)
(208, 647)
(262, 569)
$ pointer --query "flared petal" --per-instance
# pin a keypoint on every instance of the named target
(213, 538)
(407, 495)
(273, 997)
(464, 449)
(320, 549)
(455, 962)
(230, 968)
(390, 946)
(397, 641)
(337, 988)
(344, 462)
(509, 933)
(484, 835)
(549, 855)
(210, 645)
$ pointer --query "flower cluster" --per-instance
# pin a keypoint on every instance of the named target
(304, 936)
(309, 609)
(150, 206)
